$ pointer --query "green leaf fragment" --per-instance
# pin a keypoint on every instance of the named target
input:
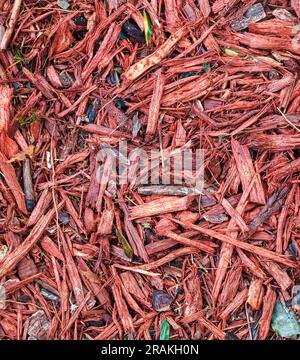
(202, 267)
(148, 27)
(23, 121)
(284, 322)
(18, 57)
(165, 331)
(230, 52)
(206, 67)
(145, 226)
(125, 244)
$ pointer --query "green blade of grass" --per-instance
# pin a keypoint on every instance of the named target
(125, 244)
(148, 27)
(164, 331)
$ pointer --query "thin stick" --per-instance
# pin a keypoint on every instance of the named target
(288, 121)
(11, 25)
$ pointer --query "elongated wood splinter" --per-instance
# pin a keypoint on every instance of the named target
(28, 186)
(11, 25)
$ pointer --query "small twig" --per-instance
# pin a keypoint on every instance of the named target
(287, 120)
(11, 25)
(248, 322)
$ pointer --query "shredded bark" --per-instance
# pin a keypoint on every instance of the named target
(149, 168)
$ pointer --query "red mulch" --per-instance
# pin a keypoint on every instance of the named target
(85, 256)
